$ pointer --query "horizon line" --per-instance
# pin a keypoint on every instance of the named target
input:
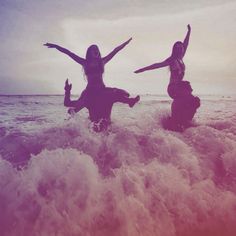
(152, 94)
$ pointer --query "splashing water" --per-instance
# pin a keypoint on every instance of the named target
(58, 177)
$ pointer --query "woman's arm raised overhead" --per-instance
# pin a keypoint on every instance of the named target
(186, 40)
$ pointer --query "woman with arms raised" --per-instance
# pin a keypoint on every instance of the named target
(93, 66)
(176, 65)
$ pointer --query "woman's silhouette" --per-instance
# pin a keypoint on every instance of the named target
(176, 65)
(93, 66)
(185, 104)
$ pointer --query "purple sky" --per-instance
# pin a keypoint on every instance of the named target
(29, 68)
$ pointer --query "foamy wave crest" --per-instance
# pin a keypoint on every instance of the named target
(136, 179)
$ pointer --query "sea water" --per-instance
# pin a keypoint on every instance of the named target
(58, 177)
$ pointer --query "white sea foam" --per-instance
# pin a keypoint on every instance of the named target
(58, 177)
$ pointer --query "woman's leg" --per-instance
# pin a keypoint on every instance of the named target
(120, 95)
(130, 101)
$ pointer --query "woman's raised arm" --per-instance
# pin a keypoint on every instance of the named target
(75, 57)
(186, 40)
(67, 101)
(115, 51)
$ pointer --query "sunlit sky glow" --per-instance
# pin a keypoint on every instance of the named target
(29, 68)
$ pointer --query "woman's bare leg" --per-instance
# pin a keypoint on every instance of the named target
(127, 100)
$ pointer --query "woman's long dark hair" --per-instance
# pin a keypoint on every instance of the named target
(93, 64)
(177, 49)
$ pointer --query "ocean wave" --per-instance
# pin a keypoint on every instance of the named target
(63, 192)
(134, 179)
(30, 118)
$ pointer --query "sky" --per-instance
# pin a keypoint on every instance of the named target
(27, 67)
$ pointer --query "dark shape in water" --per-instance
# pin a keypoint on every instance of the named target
(182, 113)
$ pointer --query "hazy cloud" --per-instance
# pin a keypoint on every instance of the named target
(154, 26)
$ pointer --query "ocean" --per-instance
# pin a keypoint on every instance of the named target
(59, 177)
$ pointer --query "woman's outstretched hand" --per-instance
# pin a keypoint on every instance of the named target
(189, 27)
(67, 86)
(138, 71)
(128, 40)
(50, 45)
